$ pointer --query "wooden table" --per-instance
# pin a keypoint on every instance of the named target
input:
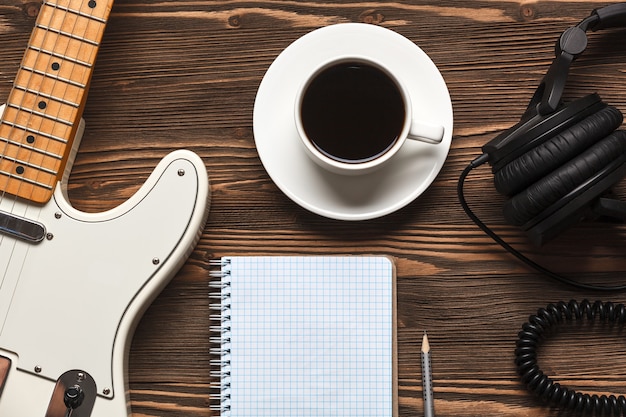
(175, 74)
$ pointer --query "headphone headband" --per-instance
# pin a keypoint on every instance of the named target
(607, 17)
(546, 99)
(569, 46)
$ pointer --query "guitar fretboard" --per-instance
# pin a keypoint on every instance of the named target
(44, 107)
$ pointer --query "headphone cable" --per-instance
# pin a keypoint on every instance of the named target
(529, 262)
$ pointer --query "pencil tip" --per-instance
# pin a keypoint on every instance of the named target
(425, 344)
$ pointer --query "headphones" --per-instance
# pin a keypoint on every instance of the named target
(558, 162)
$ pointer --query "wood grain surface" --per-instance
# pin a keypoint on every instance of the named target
(184, 74)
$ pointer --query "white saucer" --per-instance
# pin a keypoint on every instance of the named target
(336, 196)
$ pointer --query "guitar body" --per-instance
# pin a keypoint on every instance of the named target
(69, 303)
(74, 285)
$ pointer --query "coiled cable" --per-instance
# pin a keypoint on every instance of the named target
(538, 328)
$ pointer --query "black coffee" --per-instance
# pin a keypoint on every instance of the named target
(352, 112)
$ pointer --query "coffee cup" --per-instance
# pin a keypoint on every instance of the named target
(353, 115)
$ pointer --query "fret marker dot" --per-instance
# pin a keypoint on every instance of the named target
(56, 66)
(30, 139)
(41, 105)
(92, 4)
(19, 170)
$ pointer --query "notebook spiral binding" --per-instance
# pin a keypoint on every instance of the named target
(219, 317)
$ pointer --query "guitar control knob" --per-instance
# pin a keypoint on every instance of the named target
(73, 397)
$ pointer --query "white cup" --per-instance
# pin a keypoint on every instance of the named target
(353, 115)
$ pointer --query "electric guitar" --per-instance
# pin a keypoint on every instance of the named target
(73, 285)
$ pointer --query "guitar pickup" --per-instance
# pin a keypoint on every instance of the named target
(21, 228)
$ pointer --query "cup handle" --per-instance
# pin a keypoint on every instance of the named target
(425, 132)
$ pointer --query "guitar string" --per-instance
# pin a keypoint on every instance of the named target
(46, 116)
(26, 130)
(32, 115)
(9, 176)
(12, 127)
(82, 39)
(23, 131)
(54, 119)
(38, 54)
(14, 131)
(62, 99)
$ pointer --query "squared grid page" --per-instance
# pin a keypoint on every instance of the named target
(311, 337)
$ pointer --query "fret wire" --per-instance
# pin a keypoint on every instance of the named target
(34, 175)
(62, 79)
(21, 188)
(31, 148)
(15, 184)
(69, 35)
(49, 96)
(78, 13)
(41, 114)
(27, 180)
(46, 85)
(65, 56)
(36, 132)
(62, 57)
(28, 164)
(100, 12)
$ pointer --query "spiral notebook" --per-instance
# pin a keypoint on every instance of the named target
(306, 336)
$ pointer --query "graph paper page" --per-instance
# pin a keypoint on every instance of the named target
(309, 337)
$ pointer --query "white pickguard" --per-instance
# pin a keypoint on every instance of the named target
(72, 301)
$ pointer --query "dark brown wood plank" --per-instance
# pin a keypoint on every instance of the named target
(175, 74)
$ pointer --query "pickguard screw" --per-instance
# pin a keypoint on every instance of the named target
(181, 172)
(49, 236)
(106, 391)
(38, 369)
(57, 215)
(156, 261)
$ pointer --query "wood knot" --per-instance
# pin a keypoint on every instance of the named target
(528, 11)
(31, 9)
(234, 21)
(242, 133)
(371, 16)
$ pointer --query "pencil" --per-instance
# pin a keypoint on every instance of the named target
(427, 379)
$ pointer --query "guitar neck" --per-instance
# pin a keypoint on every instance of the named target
(45, 105)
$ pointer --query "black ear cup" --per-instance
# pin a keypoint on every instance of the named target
(556, 151)
(567, 153)
(530, 202)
